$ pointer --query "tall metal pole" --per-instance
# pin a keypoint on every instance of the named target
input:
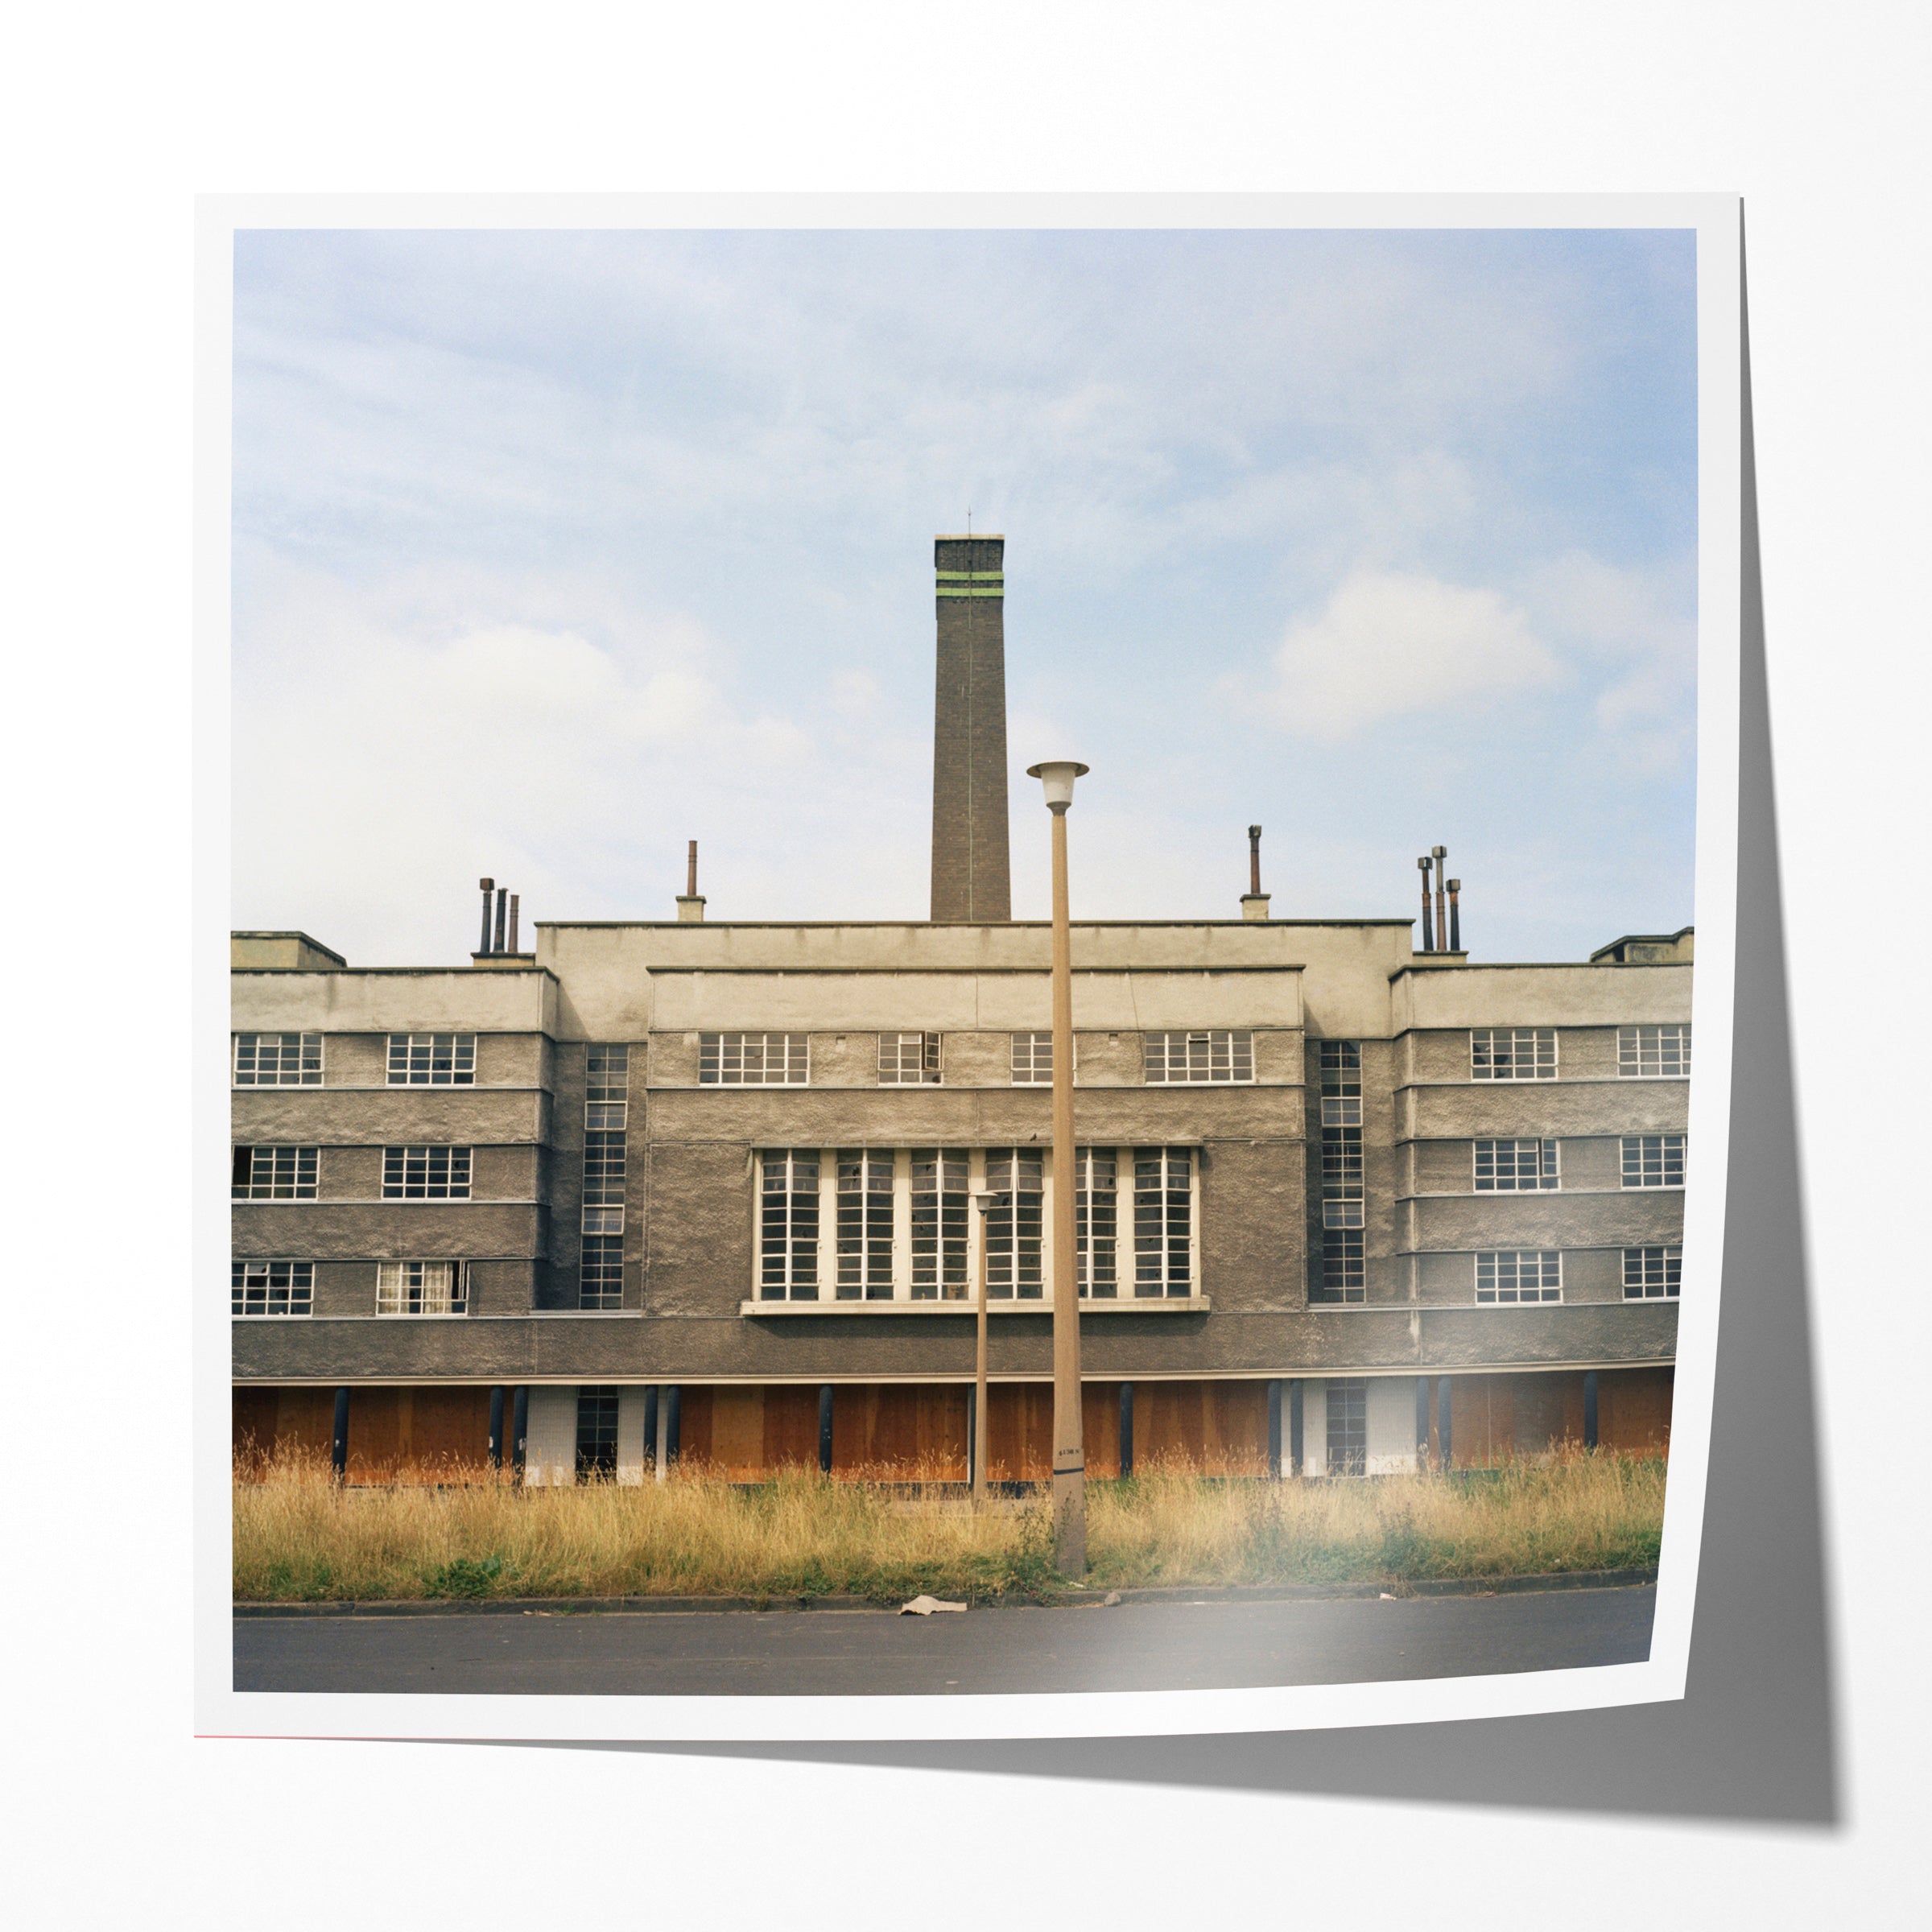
(1428, 941)
(1069, 1450)
(1440, 853)
(983, 1203)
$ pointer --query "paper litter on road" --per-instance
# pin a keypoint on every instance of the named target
(924, 1606)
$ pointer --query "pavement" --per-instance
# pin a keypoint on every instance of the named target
(1204, 1644)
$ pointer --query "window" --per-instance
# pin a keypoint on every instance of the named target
(1342, 1278)
(277, 1059)
(425, 1174)
(1033, 1059)
(1341, 1084)
(1653, 1160)
(1514, 1166)
(421, 1287)
(788, 1225)
(604, 1182)
(753, 1059)
(1096, 1214)
(271, 1287)
(1341, 1177)
(597, 1435)
(274, 1174)
(1650, 1273)
(1013, 1232)
(1653, 1053)
(432, 1059)
(864, 1224)
(1520, 1275)
(607, 1089)
(1163, 1221)
(1347, 1407)
(1191, 1058)
(600, 1272)
(939, 1212)
(1513, 1053)
(909, 1059)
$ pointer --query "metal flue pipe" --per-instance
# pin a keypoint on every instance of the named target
(1428, 932)
(1442, 921)
(1254, 859)
(1455, 917)
(488, 885)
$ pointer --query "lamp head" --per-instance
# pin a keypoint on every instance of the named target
(1057, 775)
(986, 1203)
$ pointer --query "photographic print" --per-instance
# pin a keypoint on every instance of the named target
(962, 952)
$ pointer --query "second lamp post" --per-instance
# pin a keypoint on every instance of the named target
(1069, 1451)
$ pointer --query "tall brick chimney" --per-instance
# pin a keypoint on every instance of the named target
(970, 873)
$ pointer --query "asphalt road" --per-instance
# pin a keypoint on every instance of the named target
(1157, 1646)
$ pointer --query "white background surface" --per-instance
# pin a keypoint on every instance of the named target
(114, 121)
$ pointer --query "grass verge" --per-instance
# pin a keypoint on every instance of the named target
(299, 1537)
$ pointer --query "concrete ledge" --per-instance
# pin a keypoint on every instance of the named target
(1090, 1598)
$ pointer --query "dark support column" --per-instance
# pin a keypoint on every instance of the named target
(519, 1429)
(338, 1452)
(1274, 1429)
(650, 1428)
(1442, 1420)
(673, 1405)
(825, 1429)
(1126, 1428)
(1589, 1408)
(1294, 1427)
(1421, 1422)
(495, 1428)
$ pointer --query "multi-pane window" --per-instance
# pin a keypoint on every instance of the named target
(597, 1435)
(1033, 1059)
(607, 1088)
(1347, 1445)
(1096, 1216)
(425, 1174)
(1343, 1276)
(909, 1059)
(1191, 1058)
(1513, 1053)
(1653, 1160)
(271, 1287)
(1653, 1053)
(1013, 1230)
(1341, 1193)
(864, 1223)
(1163, 1221)
(753, 1059)
(432, 1059)
(604, 1156)
(788, 1225)
(939, 1212)
(1341, 1084)
(1527, 1274)
(1650, 1273)
(601, 1272)
(274, 1174)
(1514, 1166)
(421, 1288)
(277, 1059)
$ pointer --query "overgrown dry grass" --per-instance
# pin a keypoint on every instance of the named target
(298, 1536)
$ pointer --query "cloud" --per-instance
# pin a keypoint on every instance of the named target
(1388, 643)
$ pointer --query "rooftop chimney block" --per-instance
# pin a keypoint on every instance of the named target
(1254, 901)
(691, 904)
(971, 876)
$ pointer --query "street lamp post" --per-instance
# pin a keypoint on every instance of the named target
(1069, 1452)
(985, 1204)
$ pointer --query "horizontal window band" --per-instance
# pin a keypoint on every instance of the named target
(968, 1310)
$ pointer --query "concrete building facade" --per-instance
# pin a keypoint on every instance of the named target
(700, 1189)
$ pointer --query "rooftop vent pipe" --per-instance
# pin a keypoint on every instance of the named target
(1428, 931)
(1440, 852)
(1254, 901)
(691, 907)
(1455, 917)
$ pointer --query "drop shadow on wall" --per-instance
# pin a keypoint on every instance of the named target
(1756, 1737)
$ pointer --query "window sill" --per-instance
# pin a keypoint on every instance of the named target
(1174, 1304)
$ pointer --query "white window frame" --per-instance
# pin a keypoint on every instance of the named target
(307, 1071)
(396, 1287)
(451, 1189)
(299, 1289)
(1031, 1058)
(1666, 1144)
(727, 1059)
(788, 1280)
(922, 1049)
(1669, 1266)
(1666, 1046)
(1169, 1285)
(1549, 1164)
(303, 1165)
(1090, 1243)
(423, 1047)
(1201, 1061)
(866, 1259)
(1498, 1053)
(1323, 1293)
(1013, 1274)
(949, 1241)
(1506, 1288)
(606, 1295)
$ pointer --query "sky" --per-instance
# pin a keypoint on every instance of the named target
(554, 550)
